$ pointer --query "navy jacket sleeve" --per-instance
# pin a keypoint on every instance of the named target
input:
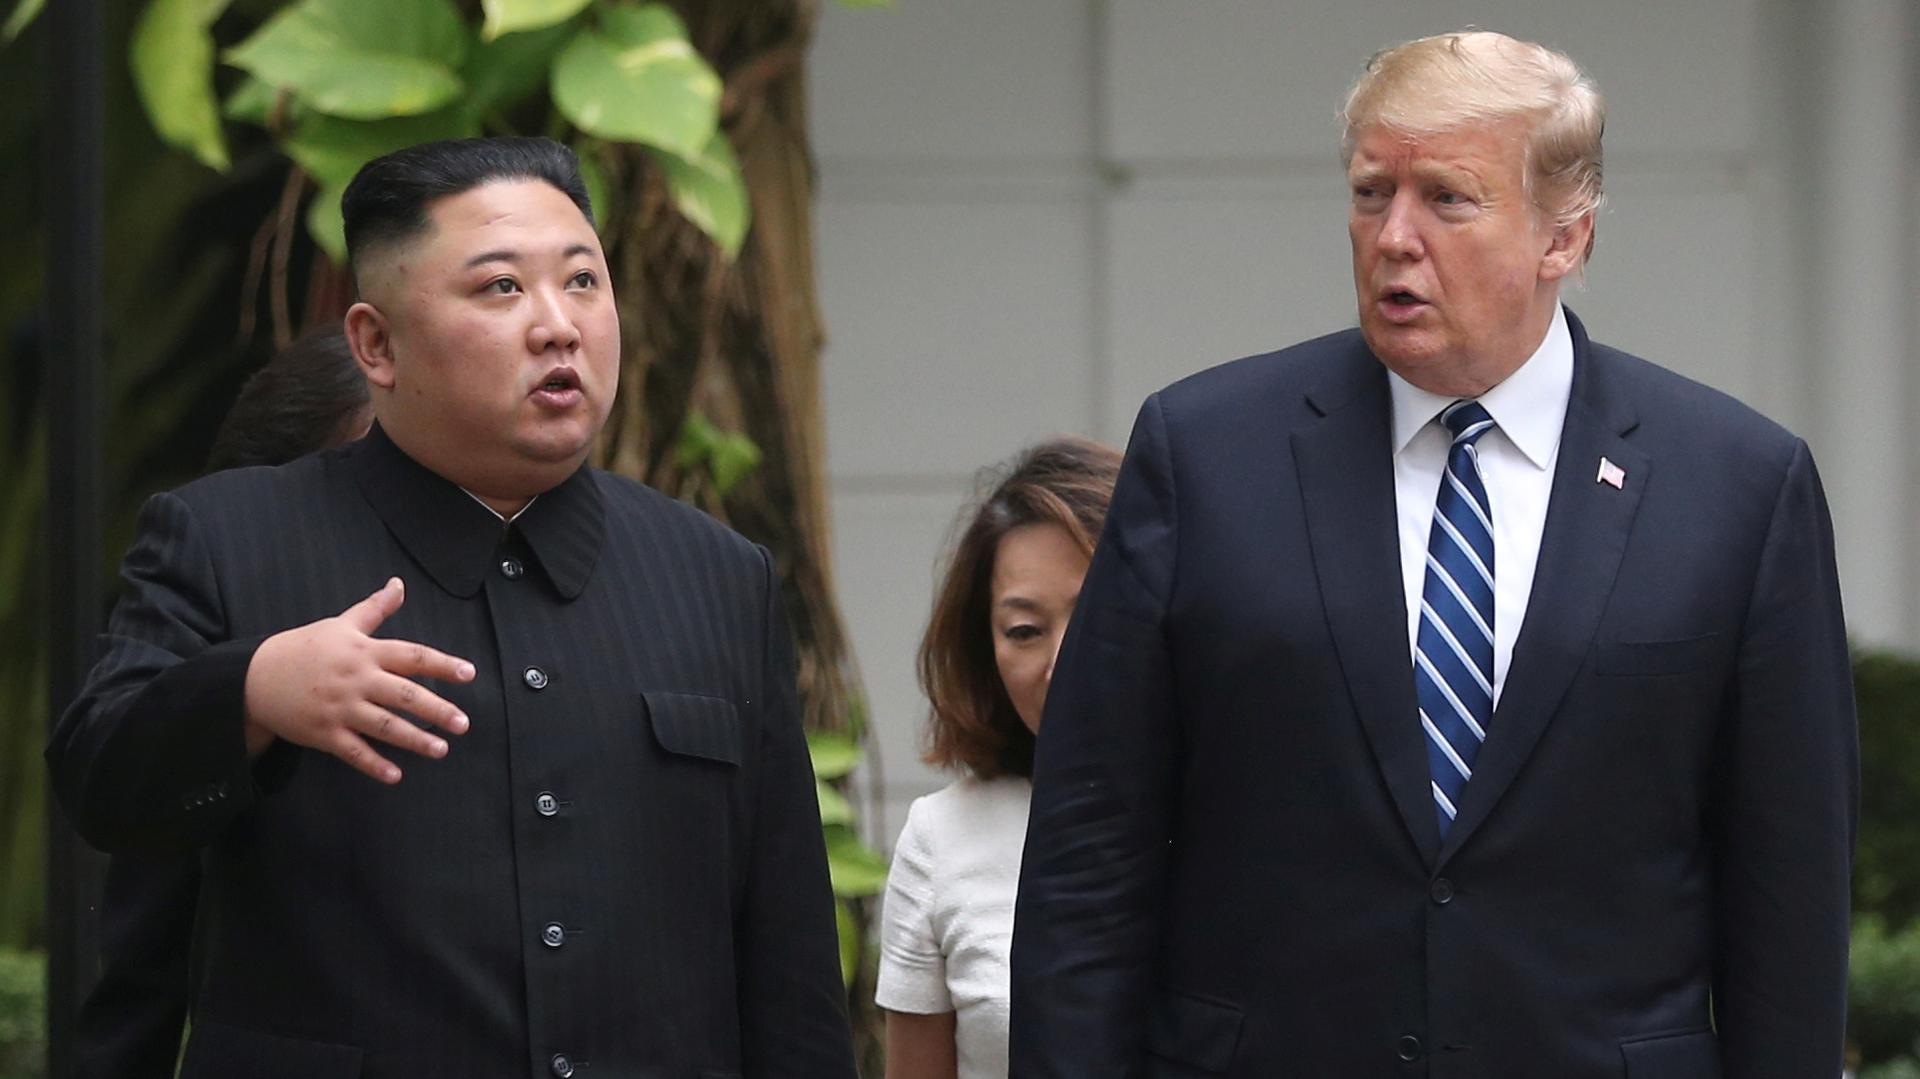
(793, 1005)
(151, 754)
(1786, 805)
(1086, 926)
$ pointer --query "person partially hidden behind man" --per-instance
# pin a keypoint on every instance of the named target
(1453, 697)
(309, 396)
(603, 856)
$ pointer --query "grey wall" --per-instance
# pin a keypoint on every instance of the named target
(1034, 214)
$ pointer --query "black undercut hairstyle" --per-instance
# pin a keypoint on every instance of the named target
(388, 200)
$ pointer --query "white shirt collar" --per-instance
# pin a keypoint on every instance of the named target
(1529, 406)
(495, 512)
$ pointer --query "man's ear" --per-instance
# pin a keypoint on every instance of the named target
(1568, 250)
(369, 337)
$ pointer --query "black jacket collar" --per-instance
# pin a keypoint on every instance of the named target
(454, 537)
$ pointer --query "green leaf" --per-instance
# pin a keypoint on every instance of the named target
(361, 59)
(327, 227)
(694, 447)
(834, 807)
(855, 868)
(833, 755)
(253, 102)
(172, 60)
(733, 460)
(513, 16)
(849, 931)
(332, 150)
(637, 79)
(710, 191)
(499, 73)
(23, 13)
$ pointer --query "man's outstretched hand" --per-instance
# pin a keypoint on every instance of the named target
(330, 685)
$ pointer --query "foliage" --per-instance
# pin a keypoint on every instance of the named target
(1884, 980)
(340, 82)
(1883, 1006)
(23, 1014)
(857, 870)
(1887, 864)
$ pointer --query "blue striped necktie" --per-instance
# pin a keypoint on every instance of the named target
(1453, 659)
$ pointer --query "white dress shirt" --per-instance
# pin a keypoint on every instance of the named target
(1516, 464)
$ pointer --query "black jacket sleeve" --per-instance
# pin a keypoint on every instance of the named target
(793, 1004)
(1087, 922)
(152, 753)
(1786, 805)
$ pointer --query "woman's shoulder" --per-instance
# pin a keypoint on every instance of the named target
(970, 794)
(969, 807)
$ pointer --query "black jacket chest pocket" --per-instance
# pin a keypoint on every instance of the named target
(695, 725)
(1628, 658)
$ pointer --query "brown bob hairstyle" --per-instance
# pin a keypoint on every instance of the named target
(972, 724)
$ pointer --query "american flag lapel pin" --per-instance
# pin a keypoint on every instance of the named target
(1612, 475)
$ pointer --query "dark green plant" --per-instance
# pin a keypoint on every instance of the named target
(1886, 879)
(1883, 1007)
(23, 1014)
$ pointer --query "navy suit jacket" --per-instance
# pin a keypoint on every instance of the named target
(1233, 866)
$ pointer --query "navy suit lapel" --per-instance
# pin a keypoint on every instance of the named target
(1345, 463)
(1586, 535)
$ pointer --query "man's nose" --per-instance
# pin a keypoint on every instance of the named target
(1399, 236)
(553, 326)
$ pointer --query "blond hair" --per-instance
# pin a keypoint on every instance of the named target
(1450, 81)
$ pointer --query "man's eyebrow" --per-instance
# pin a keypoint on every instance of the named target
(576, 249)
(492, 256)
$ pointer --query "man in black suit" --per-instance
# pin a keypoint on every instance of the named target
(309, 396)
(608, 860)
(1454, 697)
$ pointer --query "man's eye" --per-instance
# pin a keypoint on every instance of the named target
(505, 286)
(583, 279)
(1449, 198)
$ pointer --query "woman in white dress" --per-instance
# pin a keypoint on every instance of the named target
(985, 663)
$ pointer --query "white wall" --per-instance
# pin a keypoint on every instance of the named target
(1034, 214)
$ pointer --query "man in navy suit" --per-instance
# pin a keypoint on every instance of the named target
(1456, 696)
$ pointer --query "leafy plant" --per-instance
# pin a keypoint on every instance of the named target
(858, 871)
(1883, 1003)
(340, 82)
(1883, 1020)
(23, 1014)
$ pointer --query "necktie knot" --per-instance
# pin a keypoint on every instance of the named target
(1467, 420)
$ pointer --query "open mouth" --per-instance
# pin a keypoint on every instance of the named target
(559, 380)
(1402, 297)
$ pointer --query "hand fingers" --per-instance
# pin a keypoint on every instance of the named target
(418, 660)
(405, 695)
(351, 748)
(367, 614)
(377, 722)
